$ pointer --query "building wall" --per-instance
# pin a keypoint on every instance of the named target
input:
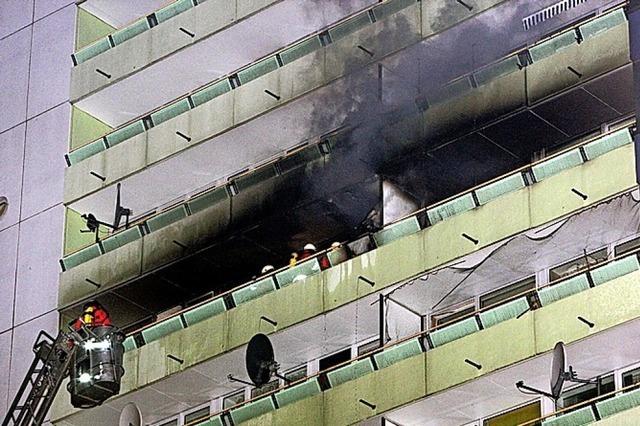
(36, 40)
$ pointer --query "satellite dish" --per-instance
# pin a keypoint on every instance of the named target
(558, 370)
(130, 415)
(259, 359)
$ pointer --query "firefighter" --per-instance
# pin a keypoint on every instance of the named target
(93, 315)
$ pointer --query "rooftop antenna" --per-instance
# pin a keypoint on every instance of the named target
(130, 415)
(93, 224)
(559, 374)
(260, 362)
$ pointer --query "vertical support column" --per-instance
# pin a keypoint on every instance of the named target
(634, 43)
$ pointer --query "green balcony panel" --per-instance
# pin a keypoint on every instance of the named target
(499, 187)
(173, 9)
(493, 71)
(563, 289)
(397, 230)
(504, 312)
(451, 91)
(125, 133)
(451, 208)
(92, 50)
(614, 270)
(212, 91)
(251, 410)
(170, 111)
(607, 143)
(167, 218)
(131, 31)
(390, 7)
(213, 421)
(350, 372)
(208, 199)
(296, 393)
(553, 45)
(161, 329)
(349, 26)
(601, 24)
(582, 416)
(299, 159)
(86, 151)
(454, 331)
(81, 256)
(204, 311)
(258, 69)
(255, 176)
(618, 403)
(301, 49)
(129, 344)
(298, 272)
(121, 238)
(557, 164)
(397, 353)
(253, 291)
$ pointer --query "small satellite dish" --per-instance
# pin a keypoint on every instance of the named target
(260, 360)
(130, 415)
(558, 370)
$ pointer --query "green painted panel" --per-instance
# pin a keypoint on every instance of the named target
(130, 31)
(580, 417)
(608, 143)
(298, 272)
(563, 289)
(173, 9)
(129, 344)
(603, 23)
(85, 128)
(493, 71)
(299, 159)
(170, 111)
(89, 28)
(350, 26)
(125, 133)
(454, 331)
(92, 50)
(214, 421)
(615, 269)
(504, 312)
(390, 7)
(75, 240)
(255, 176)
(206, 200)
(553, 45)
(296, 393)
(204, 311)
(301, 49)
(121, 238)
(212, 91)
(161, 329)
(86, 151)
(451, 208)
(557, 164)
(253, 291)
(397, 353)
(251, 410)
(499, 187)
(618, 403)
(167, 218)
(81, 256)
(397, 230)
(350, 372)
(258, 69)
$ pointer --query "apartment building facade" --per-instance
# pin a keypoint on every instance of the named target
(474, 160)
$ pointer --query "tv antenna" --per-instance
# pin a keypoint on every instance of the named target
(559, 374)
(130, 415)
(93, 224)
(260, 362)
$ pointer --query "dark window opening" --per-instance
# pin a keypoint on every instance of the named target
(589, 391)
(197, 415)
(508, 292)
(626, 247)
(579, 264)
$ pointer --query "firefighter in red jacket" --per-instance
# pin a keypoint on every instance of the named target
(93, 315)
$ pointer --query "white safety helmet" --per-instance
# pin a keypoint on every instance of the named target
(267, 268)
(310, 247)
